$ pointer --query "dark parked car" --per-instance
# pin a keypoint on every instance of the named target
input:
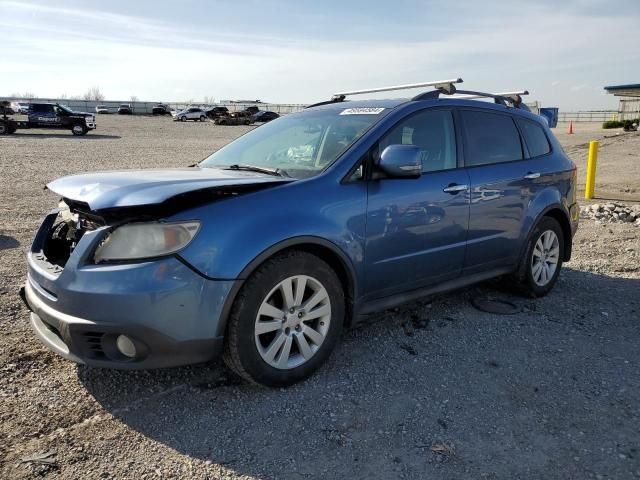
(247, 112)
(264, 116)
(125, 109)
(161, 109)
(232, 119)
(267, 249)
(216, 112)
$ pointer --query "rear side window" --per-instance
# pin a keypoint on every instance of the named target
(41, 108)
(491, 138)
(535, 138)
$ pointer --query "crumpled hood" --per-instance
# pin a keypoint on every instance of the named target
(127, 188)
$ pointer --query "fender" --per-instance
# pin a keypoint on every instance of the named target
(270, 252)
(321, 208)
(547, 200)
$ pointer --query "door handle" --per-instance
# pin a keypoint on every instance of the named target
(455, 188)
(532, 175)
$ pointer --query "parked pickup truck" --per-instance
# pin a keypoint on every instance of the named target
(49, 116)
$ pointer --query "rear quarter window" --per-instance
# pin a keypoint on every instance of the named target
(535, 138)
(490, 138)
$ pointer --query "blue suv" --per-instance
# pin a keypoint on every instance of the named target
(267, 249)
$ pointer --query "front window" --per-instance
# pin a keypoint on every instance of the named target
(62, 109)
(299, 145)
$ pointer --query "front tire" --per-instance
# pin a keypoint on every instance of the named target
(540, 267)
(79, 130)
(183, 119)
(286, 320)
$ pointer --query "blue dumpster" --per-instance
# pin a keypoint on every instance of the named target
(551, 114)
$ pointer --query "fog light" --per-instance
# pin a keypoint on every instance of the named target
(126, 346)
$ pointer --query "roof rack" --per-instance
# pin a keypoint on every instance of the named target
(445, 86)
(513, 99)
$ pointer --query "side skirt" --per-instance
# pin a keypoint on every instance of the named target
(364, 309)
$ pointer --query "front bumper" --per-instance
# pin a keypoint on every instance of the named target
(173, 315)
(94, 343)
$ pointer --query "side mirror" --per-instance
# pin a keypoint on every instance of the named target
(401, 161)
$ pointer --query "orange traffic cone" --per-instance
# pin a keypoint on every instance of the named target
(570, 128)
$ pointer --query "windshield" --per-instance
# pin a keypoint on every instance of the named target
(65, 108)
(299, 145)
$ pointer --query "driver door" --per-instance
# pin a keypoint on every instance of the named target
(417, 228)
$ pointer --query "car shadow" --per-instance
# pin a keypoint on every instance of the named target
(7, 242)
(88, 136)
(393, 390)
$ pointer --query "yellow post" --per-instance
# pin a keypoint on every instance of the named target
(591, 170)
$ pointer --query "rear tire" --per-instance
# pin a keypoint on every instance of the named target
(540, 267)
(4, 129)
(183, 119)
(275, 338)
(202, 118)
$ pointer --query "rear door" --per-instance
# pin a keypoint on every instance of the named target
(503, 181)
(416, 231)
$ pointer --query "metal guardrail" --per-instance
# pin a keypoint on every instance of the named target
(588, 116)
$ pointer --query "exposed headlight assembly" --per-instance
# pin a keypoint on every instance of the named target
(136, 241)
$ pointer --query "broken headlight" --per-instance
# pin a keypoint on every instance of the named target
(135, 241)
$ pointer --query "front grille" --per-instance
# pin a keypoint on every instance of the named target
(93, 344)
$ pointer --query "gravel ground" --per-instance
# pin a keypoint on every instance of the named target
(436, 389)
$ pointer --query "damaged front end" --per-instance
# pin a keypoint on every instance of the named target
(65, 227)
(107, 287)
(64, 234)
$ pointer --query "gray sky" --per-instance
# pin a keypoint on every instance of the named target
(300, 52)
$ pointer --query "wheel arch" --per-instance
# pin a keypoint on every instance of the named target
(322, 248)
(562, 218)
(556, 212)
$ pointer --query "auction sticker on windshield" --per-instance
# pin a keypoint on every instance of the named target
(362, 111)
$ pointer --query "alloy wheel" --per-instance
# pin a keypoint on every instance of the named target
(545, 258)
(292, 322)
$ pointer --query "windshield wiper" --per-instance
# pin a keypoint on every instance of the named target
(251, 168)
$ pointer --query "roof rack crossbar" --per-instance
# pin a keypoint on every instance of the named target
(503, 98)
(444, 86)
(447, 85)
(513, 97)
